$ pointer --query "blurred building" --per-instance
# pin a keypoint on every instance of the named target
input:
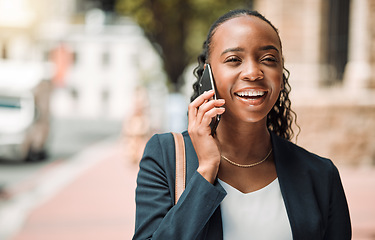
(104, 64)
(326, 42)
(96, 59)
(329, 48)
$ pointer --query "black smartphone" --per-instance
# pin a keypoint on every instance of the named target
(206, 83)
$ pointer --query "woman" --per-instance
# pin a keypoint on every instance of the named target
(247, 181)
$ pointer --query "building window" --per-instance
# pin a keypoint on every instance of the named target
(4, 51)
(337, 38)
(74, 57)
(106, 58)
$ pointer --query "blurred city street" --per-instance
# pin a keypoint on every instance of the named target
(67, 137)
(85, 83)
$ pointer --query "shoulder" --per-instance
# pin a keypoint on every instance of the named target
(297, 157)
(165, 142)
(299, 170)
(161, 147)
(160, 139)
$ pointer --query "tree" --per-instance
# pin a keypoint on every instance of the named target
(177, 28)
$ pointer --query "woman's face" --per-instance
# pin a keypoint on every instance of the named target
(247, 64)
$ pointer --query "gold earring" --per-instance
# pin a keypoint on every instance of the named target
(281, 99)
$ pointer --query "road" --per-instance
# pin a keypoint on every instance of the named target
(68, 136)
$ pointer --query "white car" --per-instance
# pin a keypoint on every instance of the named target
(24, 112)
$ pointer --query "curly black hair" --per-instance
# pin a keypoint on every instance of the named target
(281, 116)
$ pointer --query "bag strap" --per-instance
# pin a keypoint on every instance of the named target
(180, 165)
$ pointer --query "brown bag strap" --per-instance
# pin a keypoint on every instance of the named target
(180, 165)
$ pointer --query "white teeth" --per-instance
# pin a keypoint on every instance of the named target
(251, 93)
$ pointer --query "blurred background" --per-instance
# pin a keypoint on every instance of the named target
(85, 83)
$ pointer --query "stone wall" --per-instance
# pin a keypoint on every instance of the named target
(343, 133)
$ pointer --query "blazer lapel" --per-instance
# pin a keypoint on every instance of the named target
(215, 226)
(294, 185)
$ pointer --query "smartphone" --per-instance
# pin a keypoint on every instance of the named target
(206, 83)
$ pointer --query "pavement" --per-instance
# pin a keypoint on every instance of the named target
(91, 196)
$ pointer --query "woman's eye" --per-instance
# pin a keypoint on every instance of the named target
(232, 59)
(270, 59)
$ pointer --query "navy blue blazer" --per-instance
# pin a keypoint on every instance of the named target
(310, 185)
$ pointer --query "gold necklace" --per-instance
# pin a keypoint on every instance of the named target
(246, 165)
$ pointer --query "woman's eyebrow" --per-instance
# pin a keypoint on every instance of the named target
(240, 49)
(268, 47)
(236, 49)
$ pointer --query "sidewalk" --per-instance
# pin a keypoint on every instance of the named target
(359, 185)
(99, 203)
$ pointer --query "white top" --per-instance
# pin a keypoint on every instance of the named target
(259, 215)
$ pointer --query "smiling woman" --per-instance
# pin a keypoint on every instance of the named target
(245, 181)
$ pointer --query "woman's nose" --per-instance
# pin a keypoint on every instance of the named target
(251, 72)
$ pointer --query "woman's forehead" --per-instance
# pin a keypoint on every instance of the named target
(245, 28)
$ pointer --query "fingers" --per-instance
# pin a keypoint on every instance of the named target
(207, 118)
(202, 110)
(201, 105)
(209, 110)
(194, 105)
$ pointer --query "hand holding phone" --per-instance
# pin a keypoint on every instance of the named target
(203, 119)
(207, 83)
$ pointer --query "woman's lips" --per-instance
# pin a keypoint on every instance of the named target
(251, 96)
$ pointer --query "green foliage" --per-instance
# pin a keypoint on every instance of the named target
(178, 27)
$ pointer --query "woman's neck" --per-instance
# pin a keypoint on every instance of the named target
(244, 142)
